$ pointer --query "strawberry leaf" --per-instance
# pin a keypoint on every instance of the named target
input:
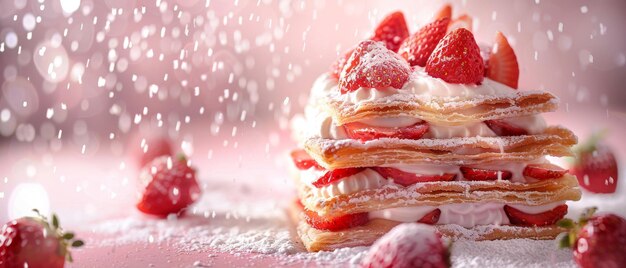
(566, 223)
(78, 243)
(55, 221)
(68, 236)
(563, 240)
(586, 215)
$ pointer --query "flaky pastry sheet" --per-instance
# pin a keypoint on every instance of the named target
(333, 154)
(317, 240)
(442, 110)
(441, 193)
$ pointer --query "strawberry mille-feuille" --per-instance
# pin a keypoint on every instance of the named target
(423, 128)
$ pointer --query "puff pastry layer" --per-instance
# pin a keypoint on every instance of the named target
(441, 110)
(317, 240)
(333, 154)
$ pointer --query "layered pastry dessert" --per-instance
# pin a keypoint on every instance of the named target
(428, 128)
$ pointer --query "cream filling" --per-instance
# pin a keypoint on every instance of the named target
(370, 179)
(464, 214)
(364, 180)
(420, 84)
(322, 125)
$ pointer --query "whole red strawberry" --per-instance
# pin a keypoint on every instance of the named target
(371, 65)
(457, 59)
(35, 242)
(417, 48)
(596, 167)
(598, 241)
(392, 31)
(170, 186)
(408, 245)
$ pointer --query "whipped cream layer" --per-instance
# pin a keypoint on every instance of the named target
(370, 179)
(421, 84)
(364, 180)
(322, 125)
(464, 214)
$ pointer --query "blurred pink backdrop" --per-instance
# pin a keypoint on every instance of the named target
(83, 81)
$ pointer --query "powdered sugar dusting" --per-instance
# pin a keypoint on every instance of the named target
(510, 253)
(372, 65)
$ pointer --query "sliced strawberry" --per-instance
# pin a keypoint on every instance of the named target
(335, 175)
(337, 67)
(371, 65)
(392, 31)
(502, 64)
(431, 218)
(544, 171)
(444, 12)
(477, 174)
(335, 223)
(364, 132)
(463, 21)
(417, 48)
(504, 129)
(407, 178)
(550, 217)
(303, 160)
(456, 59)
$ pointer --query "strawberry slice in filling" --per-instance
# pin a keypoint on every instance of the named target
(333, 223)
(504, 129)
(518, 217)
(363, 132)
(335, 175)
(477, 174)
(303, 161)
(431, 218)
(407, 178)
(544, 171)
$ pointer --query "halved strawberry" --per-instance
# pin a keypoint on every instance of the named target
(417, 48)
(502, 64)
(463, 21)
(550, 217)
(477, 174)
(303, 160)
(504, 129)
(392, 31)
(337, 67)
(364, 132)
(544, 171)
(372, 65)
(456, 59)
(406, 178)
(444, 12)
(335, 223)
(335, 175)
(431, 218)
